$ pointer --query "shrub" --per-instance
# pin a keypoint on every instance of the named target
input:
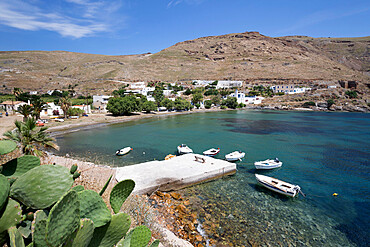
(330, 102)
(308, 104)
(207, 104)
(149, 106)
(75, 112)
(230, 102)
(223, 107)
(351, 94)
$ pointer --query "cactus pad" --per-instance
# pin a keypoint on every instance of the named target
(93, 207)
(155, 243)
(138, 237)
(31, 187)
(17, 167)
(25, 228)
(109, 234)
(83, 235)
(63, 220)
(76, 175)
(119, 194)
(11, 216)
(4, 191)
(73, 169)
(78, 188)
(7, 146)
(105, 186)
(15, 237)
(39, 228)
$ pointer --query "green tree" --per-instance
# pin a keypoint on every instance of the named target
(169, 104)
(197, 98)
(120, 92)
(182, 104)
(207, 104)
(25, 110)
(38, 105)
(216, 99)
(75, 112)
(330, 102)
(158, 95)
(65, 103)
(149, 106)
(211, 92)
(31, 138)
(224, 92)
(188, 92)
(123, 106)
(230, 102)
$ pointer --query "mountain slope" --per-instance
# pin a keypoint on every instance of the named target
(243, 56)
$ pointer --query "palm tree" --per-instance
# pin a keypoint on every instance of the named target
(65, 103)
(38, 106)
(31, 138)
(26, 111)
(16, 93)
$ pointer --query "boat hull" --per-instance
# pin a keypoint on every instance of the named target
(211, 152)
(234, 156)
(267, 164)
(123, 151)
(266, 182)
(184, 149)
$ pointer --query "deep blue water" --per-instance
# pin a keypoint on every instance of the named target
(323, 152)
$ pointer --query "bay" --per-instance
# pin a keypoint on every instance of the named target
(323, 152)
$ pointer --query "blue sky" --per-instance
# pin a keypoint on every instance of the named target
(122, 27)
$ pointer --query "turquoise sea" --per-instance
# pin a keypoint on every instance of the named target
(323, 152)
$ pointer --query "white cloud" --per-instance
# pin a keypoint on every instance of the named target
(173, 3)
(79, 19)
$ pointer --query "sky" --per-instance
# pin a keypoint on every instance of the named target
(124, 27)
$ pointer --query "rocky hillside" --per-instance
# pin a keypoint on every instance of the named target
(244, 56)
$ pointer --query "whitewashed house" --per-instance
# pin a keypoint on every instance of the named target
(9, 105)
(229, 84)
(201, 83)
(138, 85)
(100, 102)
(85, 108)
(33, 92)
(242, 98)
(300, 90)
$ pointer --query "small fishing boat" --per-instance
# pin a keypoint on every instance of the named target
(279, 186)
(211, 152)
(123, 151)
(169, 156)
(184, 149)
(234, 156)
(268, 164)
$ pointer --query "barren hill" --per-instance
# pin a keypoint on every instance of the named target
(243, 56)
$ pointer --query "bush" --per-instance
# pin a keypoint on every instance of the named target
(230, 102)
(75, 112)
(169, 104)
(207, 104)
(330, 102)
(351, 94)
(211, 92)
(223, 107)
(308, 104)
(197, 105)
(241, 105)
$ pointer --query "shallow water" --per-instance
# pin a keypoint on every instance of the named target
(322, 152)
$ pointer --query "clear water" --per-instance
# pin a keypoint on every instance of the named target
(324, 153)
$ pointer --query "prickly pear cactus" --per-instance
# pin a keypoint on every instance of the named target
(109, 234)
(76, 175)
(83, 236)
(105, 186)
(19, 166)
(32, 187)
(93, 207)
(138, 237)
(73, 169)
(155, 243)
(7, 146)
(119, 194)
(39, 229)
(4, 191)
(11, 216)
(15, 237)
(63, 220)
(78, 188)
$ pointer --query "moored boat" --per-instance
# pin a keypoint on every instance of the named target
(234, 156)
(278, 186)
(211, 152)
(184, 149)
(268, 164)
(169, 156)
(123, 151)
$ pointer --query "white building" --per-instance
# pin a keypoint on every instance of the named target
(85, 108)
(9, 105)
(100, 102)
(201, 83)
(300, 90)
(33, 93)
(167, 93)
(49, 111)
(229, 84)
(138, 85)
(241, 98)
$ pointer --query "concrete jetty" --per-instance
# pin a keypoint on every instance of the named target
(176, 173)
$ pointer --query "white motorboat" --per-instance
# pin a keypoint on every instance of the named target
(268, 164)
(123, 151)
(278, 185)
(184, 149)
(211, 152)
(234, 156)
